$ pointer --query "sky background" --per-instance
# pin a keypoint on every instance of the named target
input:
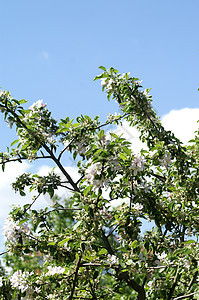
(51, 50)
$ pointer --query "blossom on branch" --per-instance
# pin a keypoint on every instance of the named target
(12, 230)
(55, 270)
(137, 164)
(19, 280)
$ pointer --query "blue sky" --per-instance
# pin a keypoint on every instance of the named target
(51, 50)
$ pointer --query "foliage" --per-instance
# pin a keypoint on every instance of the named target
(86, 248)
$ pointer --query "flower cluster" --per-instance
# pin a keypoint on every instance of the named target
(19, 280)
(113, 259)
(137, 208)
(113, 117)
(166, 160)
(161, 258)
(93, 175)
(55, 270)
(92, 170)
(38, 120)
(137, 164)
(12, 230)
(37, 106)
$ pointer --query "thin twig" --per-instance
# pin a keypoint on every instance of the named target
(22, 158)
(113, 230)
(2, 253)
(32, 203)
(56, 209)
(162, 267)
(75, 278)
(184, 296)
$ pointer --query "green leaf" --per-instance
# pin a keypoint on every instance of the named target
(23, 221)
(14, 295)
(101, 134)
(189, 242)
(22, 193)
(87, 190)
(123, 156)
(134, 244)
(114, 135)
(51, 243)
(22, 101)
(102, 68)
(14, 142)
(61, 243)
(127, 150)
(51, 191)
(77, 225)
(103, 251)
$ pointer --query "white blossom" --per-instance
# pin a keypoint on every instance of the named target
(109, 85)
(166, 160)
(103, 81)
(37, 105)
(161, 258)
(113, 259)
(137, 164)
(1, 281)
(186, 263)
(150, 284)
(37, 289)
(137, 207)
(55, 270)
(19, 280)
(92, 170)
(51, 297)
(12, 230)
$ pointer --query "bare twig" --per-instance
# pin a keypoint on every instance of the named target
(113, 230)
(75, 277)
(32, 203)
(23, 158)
(2, 253)
(184, 296)
(56, 209)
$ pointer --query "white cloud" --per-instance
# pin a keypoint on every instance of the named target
(182, 123)
(7, 195)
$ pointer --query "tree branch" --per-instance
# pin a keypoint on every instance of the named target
(48, 150)
(184, 296)
(75, 278)
(174, 284)
(124, 276)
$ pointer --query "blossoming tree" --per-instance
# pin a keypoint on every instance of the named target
(103, 252)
